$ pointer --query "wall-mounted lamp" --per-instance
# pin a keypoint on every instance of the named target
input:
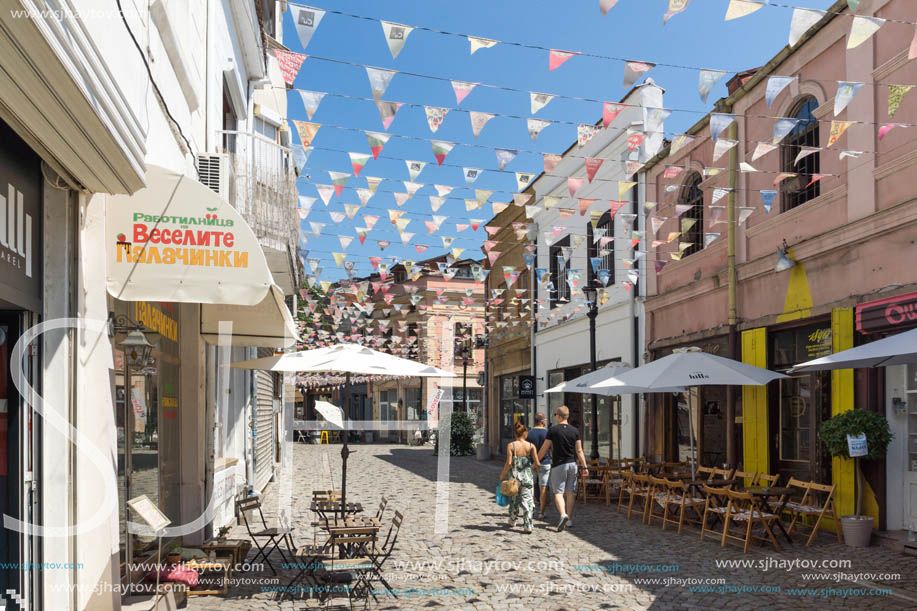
(900, 405)
(784, 262)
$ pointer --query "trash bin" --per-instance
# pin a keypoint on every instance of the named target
(482, 451)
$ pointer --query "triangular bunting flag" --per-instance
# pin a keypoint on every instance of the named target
(707, 81)
(480, 43)
(592, 166)
(462, 89)
(535, 126)
(379, 81)
(311, 100)
(504, 156)
(395, 35)
(307, 131)
(440, 150)
(305, 20)
(775, 85)
(551, 161)
(633, 71)
(414, 167)
(539, 101)
(358, 160)
(585, 133)
(557, 58)
(289, 64)
(435, 116)
(471, 175)
(339, 179)
(387, 111)
(478, 121)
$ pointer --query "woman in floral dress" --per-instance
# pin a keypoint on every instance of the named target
(521, 464)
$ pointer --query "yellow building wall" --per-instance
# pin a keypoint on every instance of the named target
(755, 439)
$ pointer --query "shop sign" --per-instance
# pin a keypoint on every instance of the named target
(20, 222)
(156, 320)
(856, 445)
(433, 408)
(887, 314)
(818, 343)
(526, 387)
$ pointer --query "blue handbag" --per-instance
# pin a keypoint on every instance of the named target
(502, 500)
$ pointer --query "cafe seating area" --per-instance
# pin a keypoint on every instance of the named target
(721, 502)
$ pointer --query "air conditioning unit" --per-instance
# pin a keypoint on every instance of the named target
(215, 170)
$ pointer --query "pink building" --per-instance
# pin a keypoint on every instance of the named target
(845, 208)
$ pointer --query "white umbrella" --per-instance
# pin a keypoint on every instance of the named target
(584, 383)
(330, 412)
(346, 359)
(899, 349)
(691, 367)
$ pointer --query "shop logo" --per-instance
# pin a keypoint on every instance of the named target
(15, 231)
(697, 375)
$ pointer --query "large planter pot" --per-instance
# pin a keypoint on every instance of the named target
(857, 530)
(482, 451)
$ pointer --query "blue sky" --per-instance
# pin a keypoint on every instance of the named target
(698, 38)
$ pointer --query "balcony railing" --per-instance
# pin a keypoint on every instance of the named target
(262, 188)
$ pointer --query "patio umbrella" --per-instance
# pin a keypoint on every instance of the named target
(899, 349)
(584, 383)
(346, 359)
(691, 367)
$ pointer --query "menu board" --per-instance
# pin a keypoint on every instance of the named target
(149, 513)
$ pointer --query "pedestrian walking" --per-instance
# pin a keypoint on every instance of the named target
(567, 450)
(521, 461)
(537, 436)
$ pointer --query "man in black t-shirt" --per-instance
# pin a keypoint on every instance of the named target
(566, 451)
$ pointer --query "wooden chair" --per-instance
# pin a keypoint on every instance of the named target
(674, 467)
(715, 506)
(657, 499)
(679, 495)
(265, 538)
(722, 473)
(811, 504)
(705, 473)
(748, 478)
(640, 489)
(614, 475)
(742, 508)
(627, 485)
(764, 479)
(381, 553)
(598, 480)
(381, 510)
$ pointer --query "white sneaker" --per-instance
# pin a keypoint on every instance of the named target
(563, 522)
(527, 531)
(512, 522)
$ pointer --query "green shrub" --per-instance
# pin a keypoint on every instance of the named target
(462, 436)
(834, 433)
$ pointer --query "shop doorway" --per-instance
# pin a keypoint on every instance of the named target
(19, 430)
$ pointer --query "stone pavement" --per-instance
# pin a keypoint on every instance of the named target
(604, 561)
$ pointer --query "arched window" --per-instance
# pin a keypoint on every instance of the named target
(604, 228)
(795, 190)
(693, 196)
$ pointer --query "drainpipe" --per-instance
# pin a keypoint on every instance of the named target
(731, 457)
(635, 344)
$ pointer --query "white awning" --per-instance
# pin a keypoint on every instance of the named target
(177, 240)
(268, 324)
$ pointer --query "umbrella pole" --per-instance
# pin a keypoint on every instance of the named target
(345, 449)
(691, 433)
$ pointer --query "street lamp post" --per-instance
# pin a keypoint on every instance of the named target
(590, 293)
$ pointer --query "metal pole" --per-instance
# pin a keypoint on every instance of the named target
(345, 449)
(593, 312)
(731, 457)
(465, 380)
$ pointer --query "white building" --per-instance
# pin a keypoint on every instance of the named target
(92, 100)
(581, 242)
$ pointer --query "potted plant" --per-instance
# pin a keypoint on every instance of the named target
(834, 432)
(222, 532)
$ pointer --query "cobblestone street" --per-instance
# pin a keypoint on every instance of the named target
(477, 552)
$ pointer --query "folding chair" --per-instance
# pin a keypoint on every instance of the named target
(742, 508)
(381, 510)
(614, 481)
(598, 480)
(679, 495)
(379, 555)
(811, 505)
(356, 567)
(715, 506)
(640, 489)
(658, 499)
(705, 473)
(764, 479)
(748, 478)
(267, 539)
(627, 485)
(722, 473)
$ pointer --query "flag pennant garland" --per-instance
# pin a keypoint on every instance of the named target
(566, 213)
(307, 131)
(624, 186)
(861, 29)
(846, 90)
(482, 196)
(592, 166)
(679, 141)
(710, 237)
(480, 43)
(443, 190)
(337, 217)
(707, 81)
(682, 208)
(574, 184)
(436, 202)
(522, 181)
(837, 130)
(345, 241)
(406, 238)
(783, 176)
(339, 179)
(556, 58)
(370, 220)
(912, 52)
(311, 100)
(358, 160)
(634, 139)
(441, 149)
(673, 171)
(301, 156)
(762, 149)
(338, 257)
(896, 95)
(718, 123)
(401, 198)
(324, 192)
(395, 35)
(584, 205)
(539, 101)
(585, 133)
(719, 193)
(373, 183)
(656, 223)
(535, 126)
(414, 168)
(412, 187)
(610, 112)
(884, 129)
(767, 199)
(716, 214)
(420, 248)
(615, 206)
(606, 5)
(815, 178)
(746, 167)
(633, 167)
(743, 214)
(387, 111)
(742, 8)
(435, 116)
(461, 90)
(805, 151)
(803, 19)
(504, 156)
(478, 121)
(379, 80)
(675, 7)
(289, 64)
(775, 85)
(471, 175)
(782, 127)
(852, 154)
(305, 20)
(723, 145)
(551, 161)
(383, 244)
(633, 71)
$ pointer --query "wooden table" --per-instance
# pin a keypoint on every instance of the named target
(211, 566)
(335, 507)
(237, 549)
(762, 493)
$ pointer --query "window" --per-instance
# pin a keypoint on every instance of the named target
(558, 266)
(693, 195)
(604, 228)
(805, 134)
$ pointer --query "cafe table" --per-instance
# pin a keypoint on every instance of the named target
(761, 494)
